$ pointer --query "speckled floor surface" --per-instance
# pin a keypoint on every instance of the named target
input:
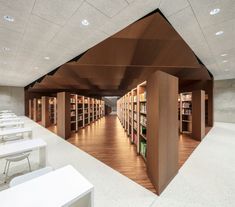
(206, 179)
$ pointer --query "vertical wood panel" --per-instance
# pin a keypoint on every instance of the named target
(162, 126)
(198, 114)
(63, 115)
(45, 111)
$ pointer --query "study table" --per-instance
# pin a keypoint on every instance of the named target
(25, 146)
(10, 119)
(61, 187)
(11, 124)
(15, 131)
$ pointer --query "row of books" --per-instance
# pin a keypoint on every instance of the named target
(142, 96)
(143, 120)
(143, 148)
(143, 107)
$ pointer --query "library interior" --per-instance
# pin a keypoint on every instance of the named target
(127, 105)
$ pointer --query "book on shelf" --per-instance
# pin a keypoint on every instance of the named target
(143, 148)
(142, 96)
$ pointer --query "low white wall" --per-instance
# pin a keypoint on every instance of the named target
(224, 100)
(12, 98)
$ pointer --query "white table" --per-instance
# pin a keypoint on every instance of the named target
(62, 187)
(12, 124)
(11, 119)
(25, 146)
(16, 131)
(5, 111)
(8, 116)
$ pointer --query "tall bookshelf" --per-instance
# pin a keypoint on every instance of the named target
(130, 114)
(135, 127)
(52, 110)
(186, 112)
(80, 112)
(153, 106)
(86, 111)
(91, 110)
(142, 120)
(73, 112)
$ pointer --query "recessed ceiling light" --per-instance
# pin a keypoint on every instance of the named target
(219, 32)
(225, 61)
(5, 49)
(9, 18)
(223, 55)
(35, 68)
(47, 58)
(85, 22)
(214, 11)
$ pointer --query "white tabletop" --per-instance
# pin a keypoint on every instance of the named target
(21, 146)
(5, 111)
(8, 116)
(14, 131)
(5, 124)
(55, 189)
(10, 119)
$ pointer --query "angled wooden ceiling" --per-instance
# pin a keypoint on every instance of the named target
(124, 60)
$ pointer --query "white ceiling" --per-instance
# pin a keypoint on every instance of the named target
(52, 28)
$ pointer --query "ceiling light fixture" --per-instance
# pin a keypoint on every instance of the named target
(214, 11)
(219, 33)
(85, 22)
(47, 58)
(225, 61)
(9, 18)
(223, 55)
(6, 49)
(35, 68)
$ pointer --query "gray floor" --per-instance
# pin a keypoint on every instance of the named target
(207, 178)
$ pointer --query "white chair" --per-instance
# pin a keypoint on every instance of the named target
(29, 176)
(15, 158)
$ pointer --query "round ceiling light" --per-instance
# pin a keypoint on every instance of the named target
(214, 11)
(219, 33)
(9, 18)
(47, 58)
(223, 55)
(85, 22)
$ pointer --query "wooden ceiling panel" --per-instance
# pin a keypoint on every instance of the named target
(126, 59)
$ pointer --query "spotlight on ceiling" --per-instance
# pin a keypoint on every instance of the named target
(214, 11)
(85, 22)
(225, 61)
(8, 18)
(219, 33)
(47, 58)
(223, 55)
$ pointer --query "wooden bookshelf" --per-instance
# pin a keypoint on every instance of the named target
(135, 127)
(86, 111)
(73, 112)
(91, 110)
(80, 112)
(130, 114)
(147, 107)
(186, 112)
(52, 110)
(142, 119)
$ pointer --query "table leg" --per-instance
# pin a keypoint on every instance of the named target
(43, 157)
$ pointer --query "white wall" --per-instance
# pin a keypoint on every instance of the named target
(224, 101)
(12, 98)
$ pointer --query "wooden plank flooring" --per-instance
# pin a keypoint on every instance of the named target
(107, 141)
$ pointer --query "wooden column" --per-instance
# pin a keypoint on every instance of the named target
(162, 129)
(35, 109)
(45, 111)
(210, 92)
(198, 114)
(30, 109)
(63, 115)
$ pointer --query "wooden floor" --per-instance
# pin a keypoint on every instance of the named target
(107, 141)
